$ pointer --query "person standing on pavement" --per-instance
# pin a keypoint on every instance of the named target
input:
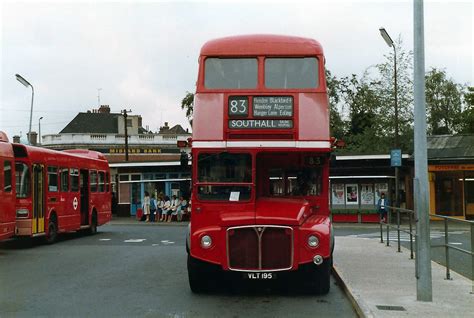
(152, 208)
(382, 207)
(146, 206)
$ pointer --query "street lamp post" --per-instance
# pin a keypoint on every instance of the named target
(390, 43)
(26, 83)
(39, 130)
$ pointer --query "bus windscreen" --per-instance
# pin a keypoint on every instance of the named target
(230, 73)
(291, 72)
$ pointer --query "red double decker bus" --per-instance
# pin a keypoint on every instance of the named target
(7, 188)
(60, 191)
(260, 160)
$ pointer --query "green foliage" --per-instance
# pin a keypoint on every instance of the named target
(467, 116)
(188, 104)
(337, 125)
(443, 103)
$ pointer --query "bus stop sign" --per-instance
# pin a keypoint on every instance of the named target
(396, 158)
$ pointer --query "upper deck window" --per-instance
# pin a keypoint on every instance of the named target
(230, 73)
(291, 72)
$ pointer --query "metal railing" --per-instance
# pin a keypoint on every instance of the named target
(413, 235)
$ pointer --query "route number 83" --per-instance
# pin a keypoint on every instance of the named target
(238, 106)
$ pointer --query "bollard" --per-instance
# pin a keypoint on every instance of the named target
(388, 227)
(446, 247)
(398, 230)
(411, 235)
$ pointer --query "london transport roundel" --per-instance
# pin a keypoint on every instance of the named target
(75, 203)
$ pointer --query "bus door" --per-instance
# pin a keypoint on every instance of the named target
(37, 222)
(84, 187)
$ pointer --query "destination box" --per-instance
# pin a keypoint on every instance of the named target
(273, 106)
(260, 124)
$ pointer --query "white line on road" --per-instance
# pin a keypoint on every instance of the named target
(104, 239)
(134, 240)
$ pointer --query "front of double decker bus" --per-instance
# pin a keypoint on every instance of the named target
(260, 154)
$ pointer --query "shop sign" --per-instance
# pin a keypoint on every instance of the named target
(460, 167)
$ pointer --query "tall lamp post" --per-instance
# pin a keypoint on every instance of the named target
(26, 83)
(39, 130)
(390, 43)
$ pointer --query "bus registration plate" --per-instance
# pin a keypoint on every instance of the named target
(259, 276)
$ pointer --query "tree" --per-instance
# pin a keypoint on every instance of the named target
(188, 104)
(443, 103)
(467, 116)
(384, 81)
(337, 124)
(364, 131)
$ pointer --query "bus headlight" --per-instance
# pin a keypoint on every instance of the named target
(206, 241)
(313, 241)
(22, 213)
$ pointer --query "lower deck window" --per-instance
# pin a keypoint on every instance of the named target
(224, 193)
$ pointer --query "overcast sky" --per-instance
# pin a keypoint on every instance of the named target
(143, 55)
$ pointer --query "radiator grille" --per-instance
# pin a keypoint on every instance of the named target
(260, 248)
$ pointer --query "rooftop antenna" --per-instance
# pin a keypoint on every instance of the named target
(98, 96)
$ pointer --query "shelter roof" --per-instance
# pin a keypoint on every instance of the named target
(450, 147)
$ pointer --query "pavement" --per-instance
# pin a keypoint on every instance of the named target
(381, 282)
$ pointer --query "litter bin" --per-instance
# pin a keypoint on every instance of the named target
(139, 214)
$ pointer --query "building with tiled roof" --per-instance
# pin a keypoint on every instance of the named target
(153, 158)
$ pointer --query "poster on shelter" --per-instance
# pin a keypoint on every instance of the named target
(352, 195)
(379, 189)
(338, 194)
(366, 194)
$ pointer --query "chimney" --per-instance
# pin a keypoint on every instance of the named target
(16, 139)
(104, 109)
(32, 138)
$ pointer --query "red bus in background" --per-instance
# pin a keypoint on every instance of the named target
(260, 160)
(7, 188)
(60, 191)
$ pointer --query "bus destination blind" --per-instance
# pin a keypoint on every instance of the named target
(260, 124)
(273, 106)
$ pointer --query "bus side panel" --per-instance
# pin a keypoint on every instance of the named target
(207, 122)
(7, 198)
(308, 129)
(103, 208)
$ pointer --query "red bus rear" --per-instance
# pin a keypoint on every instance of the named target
(260, 154)
(7, 188)
(60, 191)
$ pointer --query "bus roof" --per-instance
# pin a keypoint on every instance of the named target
(260, 44)
(45, 155)
(3, 136)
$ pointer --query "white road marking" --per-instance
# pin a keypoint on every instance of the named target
(134, 240)
(404, 237)
(165, 241)
(104, 239)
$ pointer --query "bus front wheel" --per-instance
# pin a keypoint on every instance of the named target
(318, 278)
(197, 275)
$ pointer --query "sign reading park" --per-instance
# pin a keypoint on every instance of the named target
(273, 106)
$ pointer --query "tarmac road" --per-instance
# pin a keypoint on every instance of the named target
(134, 270)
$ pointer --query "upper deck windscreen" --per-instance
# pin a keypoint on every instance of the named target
(291, 72)
(230, 73)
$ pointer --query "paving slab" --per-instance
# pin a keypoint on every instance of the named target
(381, 282)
